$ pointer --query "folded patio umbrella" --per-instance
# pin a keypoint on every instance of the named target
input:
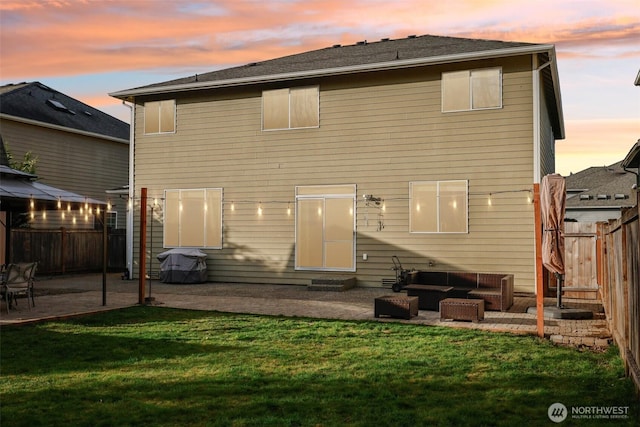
(552, 206)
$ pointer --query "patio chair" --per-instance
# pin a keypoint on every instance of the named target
(19, 280)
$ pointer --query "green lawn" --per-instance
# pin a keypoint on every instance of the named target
(165, 367)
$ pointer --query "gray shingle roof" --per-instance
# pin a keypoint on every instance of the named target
(600, 187)
(360, 54)
(35, 101)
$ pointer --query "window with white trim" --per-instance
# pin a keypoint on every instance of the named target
(193, 218)
(472, 90)
(290, 108)
(439, 206)
(112, 219)
(325, 228)
(160, 117)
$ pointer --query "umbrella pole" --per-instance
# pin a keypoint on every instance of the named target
(559, 288)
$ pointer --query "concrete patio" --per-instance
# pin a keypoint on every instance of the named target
(60, 297)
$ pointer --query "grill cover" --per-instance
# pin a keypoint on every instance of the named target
(183, 266)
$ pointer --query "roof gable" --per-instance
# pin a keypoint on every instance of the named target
(40, 103)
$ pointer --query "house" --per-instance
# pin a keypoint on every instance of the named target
(78, 148)
(325, 164)
(23, 198)
(599, 193)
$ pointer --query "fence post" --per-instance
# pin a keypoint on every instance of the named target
(539, 269)
(63, 249)
(105, 239)
(142, 264)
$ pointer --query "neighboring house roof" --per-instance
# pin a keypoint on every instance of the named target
(632, 159)
(364, 56)
(35, 102)
(601, 187)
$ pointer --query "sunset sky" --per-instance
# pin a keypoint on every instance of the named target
(87, 48)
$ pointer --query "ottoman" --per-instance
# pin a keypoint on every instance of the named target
(396, 306)
(462, 309)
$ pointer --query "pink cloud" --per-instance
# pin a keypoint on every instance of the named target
(595, 143)
(80, 37)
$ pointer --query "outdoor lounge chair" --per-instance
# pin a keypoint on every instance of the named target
(18, 281)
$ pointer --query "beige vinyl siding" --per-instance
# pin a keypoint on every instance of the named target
(547, 139)
(71, 161)
(379, 132)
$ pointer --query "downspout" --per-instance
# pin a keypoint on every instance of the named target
(129, 239)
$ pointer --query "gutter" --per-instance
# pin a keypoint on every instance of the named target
(129, 94)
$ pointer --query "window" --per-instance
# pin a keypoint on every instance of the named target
(112, 219)
(438, 207)
(160, 117)
(290, 108)
(325, 228)
(193, 218)
(472, 90)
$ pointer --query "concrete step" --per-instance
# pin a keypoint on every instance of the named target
(335, 284)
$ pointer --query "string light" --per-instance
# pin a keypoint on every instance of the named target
(260, 209)
(59, 203)
(289, 209)
(233, 206)
(489, 202)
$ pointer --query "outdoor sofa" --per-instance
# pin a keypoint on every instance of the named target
(496, 289)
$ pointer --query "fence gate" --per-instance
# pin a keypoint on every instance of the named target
(581, 269)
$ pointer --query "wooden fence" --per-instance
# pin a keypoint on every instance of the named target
(580, 242)
(619, 278)
(67, 251)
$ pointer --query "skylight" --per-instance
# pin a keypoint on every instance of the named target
(57, 104)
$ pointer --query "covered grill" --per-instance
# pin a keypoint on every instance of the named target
(183, 266)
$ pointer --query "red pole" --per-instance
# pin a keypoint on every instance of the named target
(143, 246)
(539, 268)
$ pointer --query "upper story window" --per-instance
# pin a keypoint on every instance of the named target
(291, 108)
(472, 90)
(160, 117)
